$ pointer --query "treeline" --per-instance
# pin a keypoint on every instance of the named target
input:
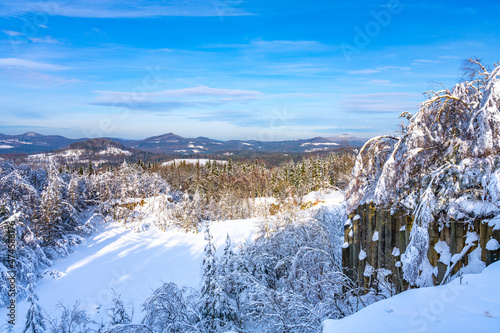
(256, 180)
(231, 190)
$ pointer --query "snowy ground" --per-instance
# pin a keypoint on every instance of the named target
(325, 197)
(470, 304)
(133, 264)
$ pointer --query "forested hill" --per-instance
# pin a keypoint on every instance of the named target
(97, 152)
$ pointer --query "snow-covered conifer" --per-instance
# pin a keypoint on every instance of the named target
(35, 322)
(50, 221)
(210, 302)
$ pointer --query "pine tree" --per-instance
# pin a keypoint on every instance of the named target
(34, 319)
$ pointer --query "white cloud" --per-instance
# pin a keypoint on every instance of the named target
(48, 79)
(448, 57)
(380, 103)
(200, 96)
(380, 82)
(422, 62)
(260, 45)
(199, 91)
(365, 71)
(28, 64)
(368, 71)
(128, 8)
(12, 33)
(46, 40)
(301, 44)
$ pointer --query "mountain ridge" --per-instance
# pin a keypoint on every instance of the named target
(170, 143)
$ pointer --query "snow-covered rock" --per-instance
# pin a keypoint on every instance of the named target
(492, 245)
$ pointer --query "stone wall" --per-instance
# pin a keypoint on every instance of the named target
(383, 253)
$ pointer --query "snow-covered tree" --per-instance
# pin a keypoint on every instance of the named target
(76, 192)
(217, 309)
(444, 166)
(230, 286)
(118, 314)
(209, 303)
(35, 322)
(50, 222)
(72, 319)
(171, 310)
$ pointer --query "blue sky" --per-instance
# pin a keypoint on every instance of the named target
(267, 70)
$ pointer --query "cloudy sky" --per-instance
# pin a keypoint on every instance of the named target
(231, 69)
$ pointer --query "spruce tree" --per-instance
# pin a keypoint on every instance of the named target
(209, 297)
(90, 169)
(73, 195)
(230, 288)
(34, 319)
(50, 222)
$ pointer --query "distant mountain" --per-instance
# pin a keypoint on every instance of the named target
(170, 143)
(174, 144)
(349, 140)
(31, 142)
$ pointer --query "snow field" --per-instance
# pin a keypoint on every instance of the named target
(130, 263)
(467, 304)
